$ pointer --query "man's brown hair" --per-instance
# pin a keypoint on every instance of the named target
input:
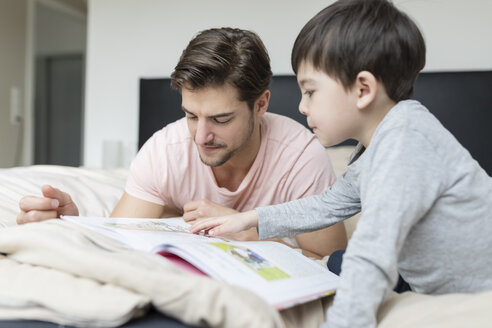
(225, 55)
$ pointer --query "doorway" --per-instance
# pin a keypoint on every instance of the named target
(58, 110)
(60, 31)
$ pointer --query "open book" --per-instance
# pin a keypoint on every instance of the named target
(281, 275)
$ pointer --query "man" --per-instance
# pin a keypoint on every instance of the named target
(226, 155)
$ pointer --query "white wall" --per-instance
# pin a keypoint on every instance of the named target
(131, 39)
(458, 33)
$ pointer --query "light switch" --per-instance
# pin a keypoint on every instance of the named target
(15, 106)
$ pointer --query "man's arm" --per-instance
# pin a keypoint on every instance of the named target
(323, 242)
(132, 207)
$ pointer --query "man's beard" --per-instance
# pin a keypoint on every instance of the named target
(229, 154)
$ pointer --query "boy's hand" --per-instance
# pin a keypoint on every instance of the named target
(226, 225)
(54, 204)
(204, 208)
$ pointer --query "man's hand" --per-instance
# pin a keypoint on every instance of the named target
(54, 204)
(199, 209)
(227, 225)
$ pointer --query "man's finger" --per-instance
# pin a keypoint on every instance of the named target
(50, 192)
(191, 206)
(35, 216)
(193, 215)
(30, 203)
(189, 217)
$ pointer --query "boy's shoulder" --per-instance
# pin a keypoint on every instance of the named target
(411, 128)
(406, 112)
(409, 117)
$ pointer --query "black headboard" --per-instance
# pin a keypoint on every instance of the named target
(462, 101)
(160, 105)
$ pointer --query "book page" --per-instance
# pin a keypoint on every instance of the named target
(140, 233)
(281, 275)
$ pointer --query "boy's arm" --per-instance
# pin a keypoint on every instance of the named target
(290, 217)
(339, 202)
(226, 225)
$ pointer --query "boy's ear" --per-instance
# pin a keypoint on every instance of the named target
(261, 104)
(366, 86)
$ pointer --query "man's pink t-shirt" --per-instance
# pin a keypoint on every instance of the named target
(290, 164)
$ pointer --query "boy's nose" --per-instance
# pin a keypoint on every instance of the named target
(302, 109)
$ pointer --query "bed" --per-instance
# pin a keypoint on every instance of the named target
(459, 99)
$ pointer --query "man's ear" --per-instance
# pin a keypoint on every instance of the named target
(261, 104)
(366, 86)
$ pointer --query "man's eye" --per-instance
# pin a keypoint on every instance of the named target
(222, 120)
(191, 118)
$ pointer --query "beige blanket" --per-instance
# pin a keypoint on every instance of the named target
(62, 273)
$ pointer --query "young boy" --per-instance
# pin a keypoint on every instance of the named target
(426, 204)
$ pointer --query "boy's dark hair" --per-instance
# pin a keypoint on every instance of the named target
(351, 36)
(225, 55)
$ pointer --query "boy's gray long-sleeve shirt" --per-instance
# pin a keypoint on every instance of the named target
(426, 214)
